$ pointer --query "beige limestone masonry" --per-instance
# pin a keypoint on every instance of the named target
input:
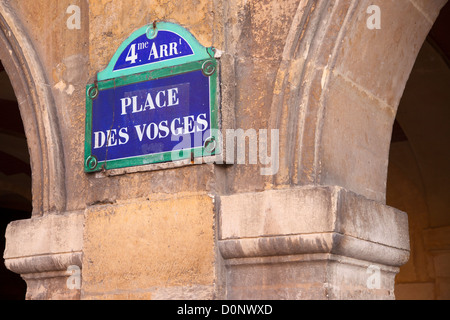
(309, 68)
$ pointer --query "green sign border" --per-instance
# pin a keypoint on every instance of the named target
(209, 66)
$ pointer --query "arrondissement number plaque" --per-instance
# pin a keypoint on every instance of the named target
(155, 102)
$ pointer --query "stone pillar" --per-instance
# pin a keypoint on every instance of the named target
(311, 243)
(437, 242)
(314, 71)
(47, 253)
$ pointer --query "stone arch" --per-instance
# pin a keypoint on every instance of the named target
(38, 111)
(339, 85)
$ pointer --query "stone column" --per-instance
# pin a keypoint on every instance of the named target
(313, 70)
(311, 243)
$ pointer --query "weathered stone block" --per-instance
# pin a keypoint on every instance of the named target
(145, 245)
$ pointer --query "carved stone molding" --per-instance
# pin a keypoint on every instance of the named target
(42, 250)
(290, 233)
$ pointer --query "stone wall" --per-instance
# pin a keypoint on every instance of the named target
(310, 69)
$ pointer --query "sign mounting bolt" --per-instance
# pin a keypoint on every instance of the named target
(93, 92)
(208, 68)
(152, 31)
(91, 162)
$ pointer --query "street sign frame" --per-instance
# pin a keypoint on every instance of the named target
(201, 60)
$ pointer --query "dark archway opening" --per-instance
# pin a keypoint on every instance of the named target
(15, 181)
(419, 169)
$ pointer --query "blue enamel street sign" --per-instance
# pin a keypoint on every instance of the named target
(143, 51)
(155, 102)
